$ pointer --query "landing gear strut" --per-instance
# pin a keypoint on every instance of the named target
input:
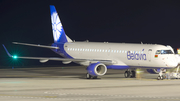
(161, 77)
(130, 73)
(88, 76)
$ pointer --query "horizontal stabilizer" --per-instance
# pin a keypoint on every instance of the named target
(43, 46)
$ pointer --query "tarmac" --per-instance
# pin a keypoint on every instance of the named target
(69, 84)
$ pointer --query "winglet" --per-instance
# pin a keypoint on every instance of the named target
(7, 51)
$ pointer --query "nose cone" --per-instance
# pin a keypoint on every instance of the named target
(177, 56)
(172, 61)
(175, 61)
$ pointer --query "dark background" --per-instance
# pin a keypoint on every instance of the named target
(129, 21)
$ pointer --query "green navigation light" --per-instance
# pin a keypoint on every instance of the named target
(14, 57)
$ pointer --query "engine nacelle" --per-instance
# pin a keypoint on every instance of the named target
(154, 71)
(97, 69)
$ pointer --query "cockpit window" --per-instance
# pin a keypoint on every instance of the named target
(164, 52)
(158, 52)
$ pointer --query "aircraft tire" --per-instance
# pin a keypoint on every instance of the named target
(133, 74)
(162, 77)
(127, 74)
(158, 78)
(88, 76)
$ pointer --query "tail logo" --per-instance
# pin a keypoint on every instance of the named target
(56, 26)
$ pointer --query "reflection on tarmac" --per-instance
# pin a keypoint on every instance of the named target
(69, 84)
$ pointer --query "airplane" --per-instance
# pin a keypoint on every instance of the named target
(100, 56)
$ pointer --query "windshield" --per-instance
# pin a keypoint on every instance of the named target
(164, 52)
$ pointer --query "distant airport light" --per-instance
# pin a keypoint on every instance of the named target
(178, 51)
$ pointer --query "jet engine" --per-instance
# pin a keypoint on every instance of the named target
(154, 71)
(97, 69)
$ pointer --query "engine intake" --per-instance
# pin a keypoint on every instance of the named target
(97, 69)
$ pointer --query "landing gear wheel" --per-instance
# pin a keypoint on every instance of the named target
(160, 78)
(88, 76)
(127, 74)
(133, 74)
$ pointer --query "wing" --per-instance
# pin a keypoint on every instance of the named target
(45, 59)
(27, 44)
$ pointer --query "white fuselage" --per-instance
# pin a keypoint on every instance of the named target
(133, 55)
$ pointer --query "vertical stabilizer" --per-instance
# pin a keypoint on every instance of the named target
(58, 31)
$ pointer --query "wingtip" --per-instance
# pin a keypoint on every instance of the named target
(7, 51)
(15, 42)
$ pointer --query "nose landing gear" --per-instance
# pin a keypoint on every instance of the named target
(161, 77)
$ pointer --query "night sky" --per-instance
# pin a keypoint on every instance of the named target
(129, 21)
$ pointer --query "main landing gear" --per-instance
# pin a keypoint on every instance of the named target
(88, 76)
(130, 73)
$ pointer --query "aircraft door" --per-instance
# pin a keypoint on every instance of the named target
(149, 55)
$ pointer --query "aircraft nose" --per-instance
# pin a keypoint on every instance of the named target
(172, 61)
(177, 58)
(175, 61)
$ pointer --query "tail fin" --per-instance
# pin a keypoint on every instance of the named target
(58, 31)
